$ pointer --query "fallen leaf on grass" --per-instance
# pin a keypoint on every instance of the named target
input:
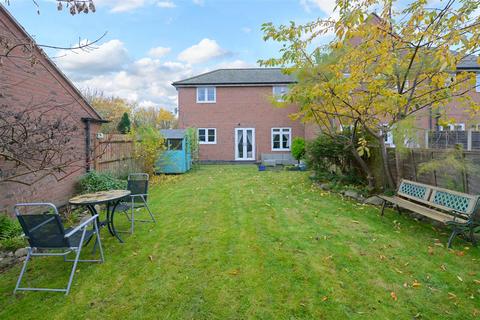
(394, 296)
(476, 281)
(443, 267)
(399, 271)
(329, 257)
(355, 221)
(452, 295)
(151, 258)
(460, 253)
(416, 284)
(234, 272)
(324, 298)
(382, 257)
(459, 278)
(430, 250)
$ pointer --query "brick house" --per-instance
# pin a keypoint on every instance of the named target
(24, 85)
(235, 116)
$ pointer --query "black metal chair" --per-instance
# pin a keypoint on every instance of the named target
(45, 231)
(137, 184)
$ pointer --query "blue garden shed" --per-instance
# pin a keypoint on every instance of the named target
(177, 157)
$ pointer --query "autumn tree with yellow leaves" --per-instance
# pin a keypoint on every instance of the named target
(380, 69)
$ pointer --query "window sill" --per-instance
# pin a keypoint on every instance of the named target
(206, 102)
(207, 143)
(280, 149)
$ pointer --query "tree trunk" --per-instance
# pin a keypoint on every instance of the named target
(386, 168)
(363, 165)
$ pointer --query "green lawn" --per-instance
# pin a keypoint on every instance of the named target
(235, 243)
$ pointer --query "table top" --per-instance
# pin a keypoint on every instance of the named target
(99, 197)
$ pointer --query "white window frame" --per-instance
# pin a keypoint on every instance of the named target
(453, 125)
(206, 136)
(279, 98)
(206, 94)
(281, 138)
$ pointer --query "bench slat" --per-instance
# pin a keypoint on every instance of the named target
(420, 209)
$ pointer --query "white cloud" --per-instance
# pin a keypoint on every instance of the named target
(144, 80)
(327, 6)
(236, 64)
(199, 2)
(107, 57)
(166, 4)
(203, 51)
(159, 52)
(246, 29)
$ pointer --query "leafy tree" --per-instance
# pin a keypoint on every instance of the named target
(154, 117)
(110, 108)
(298, 148)
(124, 124)
(380, 70)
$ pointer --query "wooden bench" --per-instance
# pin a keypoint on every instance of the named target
(455, 209)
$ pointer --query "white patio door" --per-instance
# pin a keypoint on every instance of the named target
(244, 144)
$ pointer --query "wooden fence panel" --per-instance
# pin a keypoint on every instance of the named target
(114, 154)
(408, 165)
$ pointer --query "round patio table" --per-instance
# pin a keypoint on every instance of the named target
(111, 198)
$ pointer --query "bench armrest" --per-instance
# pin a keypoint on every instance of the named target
(80, 226)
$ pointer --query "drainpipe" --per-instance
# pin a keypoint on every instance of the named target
(88, 143)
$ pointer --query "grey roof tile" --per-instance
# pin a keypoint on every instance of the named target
(251, 76)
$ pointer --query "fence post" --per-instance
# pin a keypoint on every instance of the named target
(469, 140)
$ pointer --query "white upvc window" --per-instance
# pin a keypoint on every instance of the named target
(456, 127)
(207, 135)
(206, 95)
(477, 83)
(279, 92)
(281, 139)
(475, 127)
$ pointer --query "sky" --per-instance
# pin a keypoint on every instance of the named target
(151, 43)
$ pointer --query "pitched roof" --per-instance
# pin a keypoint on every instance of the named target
(49, 62)
(469, 62)
(246, 77)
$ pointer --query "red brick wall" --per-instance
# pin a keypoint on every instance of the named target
(22, 86)
(236, 107)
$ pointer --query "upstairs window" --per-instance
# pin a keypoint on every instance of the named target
(207, 135)
(477, 88)
(456, 127)
(206, 95)
(279, 92)
(281, 139)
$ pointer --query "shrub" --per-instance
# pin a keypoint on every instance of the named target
(10, 234)
(298, 148)
(148, 146)
(99, 181)
(331, 159)
(124, 125)
(9, 228)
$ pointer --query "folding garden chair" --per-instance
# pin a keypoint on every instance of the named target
(137, 184)
(45, 231)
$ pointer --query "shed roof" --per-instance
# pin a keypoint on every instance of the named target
(248, 76)
(173, 133)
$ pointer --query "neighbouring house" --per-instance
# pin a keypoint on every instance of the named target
(31, 82)
(236, 120)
